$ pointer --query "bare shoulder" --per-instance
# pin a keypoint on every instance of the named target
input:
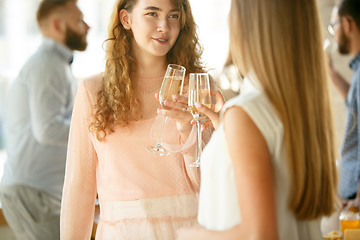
(242, 133)
(235, 112)
(236, 118)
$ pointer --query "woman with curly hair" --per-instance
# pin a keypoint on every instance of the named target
(142, 195)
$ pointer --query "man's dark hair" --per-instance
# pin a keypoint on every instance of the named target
(350, 8)
(46, 7)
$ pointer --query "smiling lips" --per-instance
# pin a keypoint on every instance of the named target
(161, 40)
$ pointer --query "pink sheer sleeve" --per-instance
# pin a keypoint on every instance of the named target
(79, 192)
(175, 145)
(187, 148)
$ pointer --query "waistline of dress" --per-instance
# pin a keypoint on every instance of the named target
(181, 207)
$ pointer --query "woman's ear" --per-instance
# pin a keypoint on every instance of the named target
(124, 18)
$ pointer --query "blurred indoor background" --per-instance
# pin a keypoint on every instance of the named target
(19, 38)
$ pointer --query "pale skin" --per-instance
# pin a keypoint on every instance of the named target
(255, 181)
(214, 116)
(174, 110)
(155, 26)
(352, 33)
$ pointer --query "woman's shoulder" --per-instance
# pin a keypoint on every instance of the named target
(90, 86)
(255, 103)
(244, 99)
(261, 111)
(93, 83)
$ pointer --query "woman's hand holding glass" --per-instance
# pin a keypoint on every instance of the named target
(201, 106)
(171, 85)
(212, 113)
(199, 92)
(177, 109)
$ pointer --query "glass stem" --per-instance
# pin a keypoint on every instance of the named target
(199, 136)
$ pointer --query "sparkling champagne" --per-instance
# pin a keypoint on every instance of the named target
(201, 96)
(171, 85)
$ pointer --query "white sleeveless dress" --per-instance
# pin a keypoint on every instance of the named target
(218, 204)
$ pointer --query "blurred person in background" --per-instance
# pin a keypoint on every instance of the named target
(345, 26)
(269, 169)
(38, 110)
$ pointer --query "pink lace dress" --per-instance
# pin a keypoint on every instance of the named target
(141, 195)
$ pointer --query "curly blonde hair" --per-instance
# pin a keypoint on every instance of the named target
(117, 103)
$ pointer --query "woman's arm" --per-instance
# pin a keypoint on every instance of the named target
(255, 181)
(79, 193)
(254, 175)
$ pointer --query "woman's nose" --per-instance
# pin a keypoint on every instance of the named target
(163, 26)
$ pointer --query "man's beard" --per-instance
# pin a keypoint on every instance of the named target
(343, 44)
(74, 40)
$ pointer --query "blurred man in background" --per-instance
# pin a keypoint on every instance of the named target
(37, 122)
(345, 26)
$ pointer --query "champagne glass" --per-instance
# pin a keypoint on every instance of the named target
(172, 85)
(199, 91)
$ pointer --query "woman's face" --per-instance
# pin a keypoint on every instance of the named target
(155, 25)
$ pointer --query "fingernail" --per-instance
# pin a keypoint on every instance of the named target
(197, 104)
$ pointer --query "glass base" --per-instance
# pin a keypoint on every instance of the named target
(158, 149)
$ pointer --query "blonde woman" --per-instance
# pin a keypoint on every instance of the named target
(142, 195)
(269, 170)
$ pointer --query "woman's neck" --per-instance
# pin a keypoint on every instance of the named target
(149, 72)
(150, 66)
(147, 63)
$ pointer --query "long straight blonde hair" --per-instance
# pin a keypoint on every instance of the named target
(280, 41)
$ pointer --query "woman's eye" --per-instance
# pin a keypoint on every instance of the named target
(176, 16)
(151, 14)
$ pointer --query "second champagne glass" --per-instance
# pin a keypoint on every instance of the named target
(199, 92)
(172, 85)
